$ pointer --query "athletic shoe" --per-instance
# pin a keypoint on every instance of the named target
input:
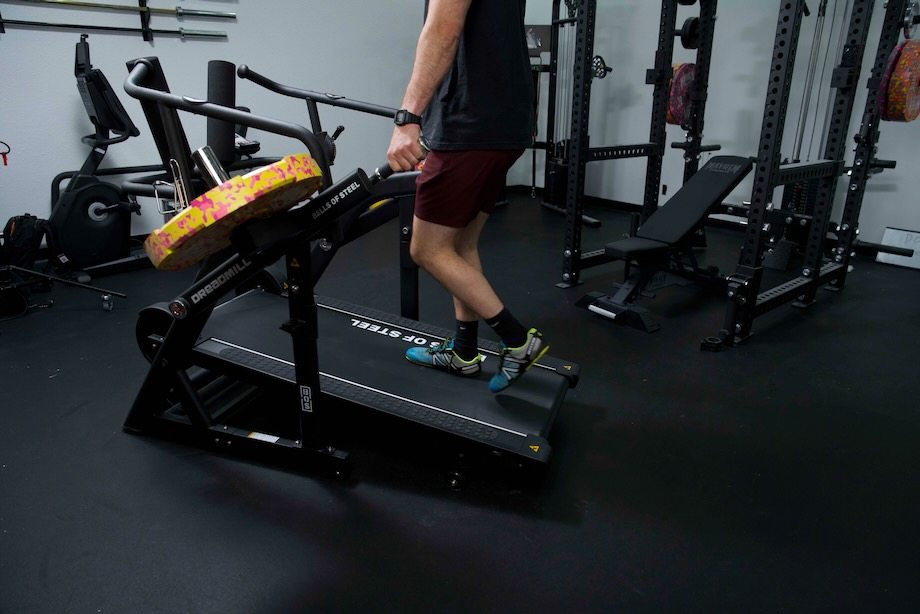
(441, 356)
(513, 362)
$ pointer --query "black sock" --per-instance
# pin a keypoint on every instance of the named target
(465, 342)
(512, 332)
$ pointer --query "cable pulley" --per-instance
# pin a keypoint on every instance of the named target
(911, 19)
(599, 67)
(572, 8)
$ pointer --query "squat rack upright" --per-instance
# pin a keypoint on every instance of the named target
(900, 14)
(568, 156)
(746, 298)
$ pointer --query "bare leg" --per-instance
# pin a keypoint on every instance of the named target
(467, 246)
(451, 256)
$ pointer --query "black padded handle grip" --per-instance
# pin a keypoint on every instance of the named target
(380, 173)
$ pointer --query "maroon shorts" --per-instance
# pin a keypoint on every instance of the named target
(454, 186)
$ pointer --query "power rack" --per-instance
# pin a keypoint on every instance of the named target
(747, 298)
(900, 15)
(568, 157)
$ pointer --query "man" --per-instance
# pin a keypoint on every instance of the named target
(470, 95)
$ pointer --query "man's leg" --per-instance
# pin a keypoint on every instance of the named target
(466, 335)
(467, 247)
(511, 332)
(435, 248)
(445, 253)
(448, 250)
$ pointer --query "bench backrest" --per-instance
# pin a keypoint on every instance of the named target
(704, 191)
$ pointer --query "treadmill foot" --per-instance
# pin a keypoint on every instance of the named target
(334, 462)
(456, 480)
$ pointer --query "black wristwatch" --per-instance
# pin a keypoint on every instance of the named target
(404, 117)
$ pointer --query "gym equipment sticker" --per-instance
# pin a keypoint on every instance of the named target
(306, 399)
(388, 332)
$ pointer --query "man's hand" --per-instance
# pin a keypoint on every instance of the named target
(405, 152)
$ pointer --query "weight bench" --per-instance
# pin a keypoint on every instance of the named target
(664, 243)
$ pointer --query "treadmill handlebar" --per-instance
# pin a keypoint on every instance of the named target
(333, 100)
(278, 233)
(261, 242)
(209, 109)
(380, 173)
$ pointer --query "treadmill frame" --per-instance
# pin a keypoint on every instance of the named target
(171, 382)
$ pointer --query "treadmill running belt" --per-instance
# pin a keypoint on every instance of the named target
(361, 360)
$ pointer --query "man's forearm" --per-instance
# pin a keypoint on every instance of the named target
(435, 52)
(434, 55)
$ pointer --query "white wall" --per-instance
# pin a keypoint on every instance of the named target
(359, 49)
(626, 36)
(364, 50)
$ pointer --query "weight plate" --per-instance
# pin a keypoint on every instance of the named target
(900, 98)
(886, 79)
(680, 104)
(204, 227)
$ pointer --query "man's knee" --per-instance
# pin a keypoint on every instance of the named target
(416, 252)
(470, 253)
(423, 253)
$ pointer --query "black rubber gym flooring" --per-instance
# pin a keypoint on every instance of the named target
(779, 476)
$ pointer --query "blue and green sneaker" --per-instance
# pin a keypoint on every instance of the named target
(513, 362)
(441, 356)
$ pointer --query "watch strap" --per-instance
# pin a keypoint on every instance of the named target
(404, 117)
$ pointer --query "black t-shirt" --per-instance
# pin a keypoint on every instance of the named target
(485, 101)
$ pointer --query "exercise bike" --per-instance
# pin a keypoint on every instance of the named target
(90, 219)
